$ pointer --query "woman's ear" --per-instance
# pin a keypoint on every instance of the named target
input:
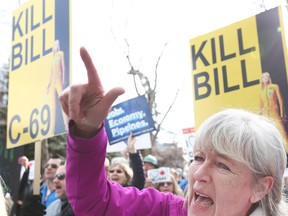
(263, 186)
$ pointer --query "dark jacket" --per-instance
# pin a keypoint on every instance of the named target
(136, 164)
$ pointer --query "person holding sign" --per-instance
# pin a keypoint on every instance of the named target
(239, 161)
(121, 172)
(136, 164)
(271, 104)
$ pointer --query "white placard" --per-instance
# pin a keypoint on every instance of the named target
(161, 174)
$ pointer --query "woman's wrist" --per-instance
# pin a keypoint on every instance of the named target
(86, 133)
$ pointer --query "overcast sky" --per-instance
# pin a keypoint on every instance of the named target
(103, 25)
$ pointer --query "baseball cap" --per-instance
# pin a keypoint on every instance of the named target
(151, 159)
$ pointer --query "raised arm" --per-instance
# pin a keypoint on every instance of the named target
(88, 190)
(136, 164)
(87, 104)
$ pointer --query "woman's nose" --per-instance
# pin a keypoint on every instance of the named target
(203, 172)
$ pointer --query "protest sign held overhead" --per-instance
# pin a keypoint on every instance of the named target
(39, 71)
(132, 115)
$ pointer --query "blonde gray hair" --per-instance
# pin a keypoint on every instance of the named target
(251, 139)
(126, 168)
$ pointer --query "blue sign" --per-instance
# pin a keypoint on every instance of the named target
(133, 115)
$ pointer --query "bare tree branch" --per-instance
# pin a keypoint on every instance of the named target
(171, 105)
(144, 82)
(157, 63)
(126, 53)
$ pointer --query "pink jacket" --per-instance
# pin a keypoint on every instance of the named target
(92, 194)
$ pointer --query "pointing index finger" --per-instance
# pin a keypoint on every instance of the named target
(92, 74)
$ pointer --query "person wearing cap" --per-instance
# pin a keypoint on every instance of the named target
(150, 162)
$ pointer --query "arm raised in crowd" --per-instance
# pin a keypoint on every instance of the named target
(136, 164)
(88, 189)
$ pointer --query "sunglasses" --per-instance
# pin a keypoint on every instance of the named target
(161, 184)
(60, 176)
(53, 165)
(116, 170)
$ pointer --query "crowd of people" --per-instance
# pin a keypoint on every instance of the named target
(238, 167)
(53, 201)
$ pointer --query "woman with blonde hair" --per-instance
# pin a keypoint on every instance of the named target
(170, 186)
(121, 173)
(128, 173)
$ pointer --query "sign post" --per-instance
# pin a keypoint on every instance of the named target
(37, 169)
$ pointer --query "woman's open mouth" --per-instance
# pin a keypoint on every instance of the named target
(203, 201)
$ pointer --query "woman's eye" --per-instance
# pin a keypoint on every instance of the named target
(198, 158)
(223, 166)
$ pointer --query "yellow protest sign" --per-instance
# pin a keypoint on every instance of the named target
(243, 65)
(227, 64)
(39, 71)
